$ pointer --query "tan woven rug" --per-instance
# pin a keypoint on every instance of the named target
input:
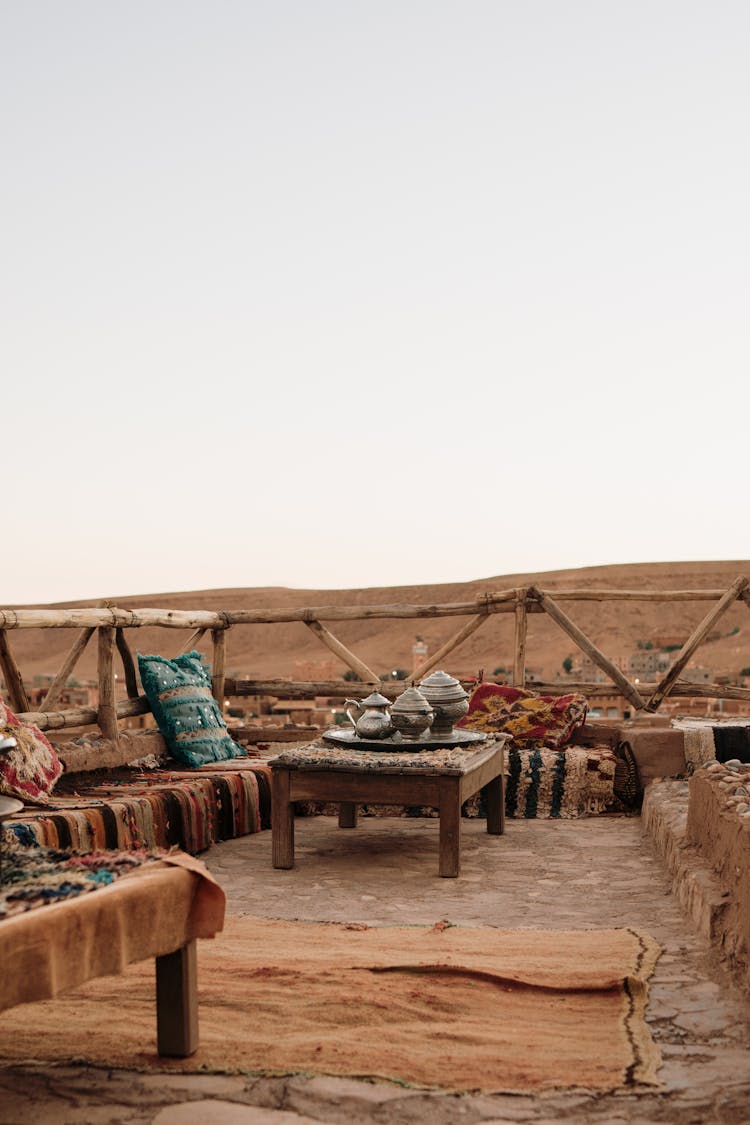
(457, 1008)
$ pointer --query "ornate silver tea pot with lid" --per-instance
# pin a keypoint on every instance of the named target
(411, 714)
(373, 719)
(447, 699)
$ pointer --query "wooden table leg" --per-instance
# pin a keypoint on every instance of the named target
(282, 820)
(177, 1002)
(450, 827)
(494, 795)
(347, 814)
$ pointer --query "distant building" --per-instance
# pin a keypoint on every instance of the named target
(697, 675)
(650, 663)
(419, 653)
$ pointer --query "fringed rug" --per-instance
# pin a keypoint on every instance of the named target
(453, 1008)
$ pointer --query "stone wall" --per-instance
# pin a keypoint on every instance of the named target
(718, 825)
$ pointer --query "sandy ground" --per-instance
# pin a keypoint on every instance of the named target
(548, 875)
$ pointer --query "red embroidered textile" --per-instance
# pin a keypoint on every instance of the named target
(32, 767)
(530, 720)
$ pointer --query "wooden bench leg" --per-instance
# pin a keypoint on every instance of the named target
(347, 814)
(450, 827)
(177, 1002)
(282, 820)
(494, 794)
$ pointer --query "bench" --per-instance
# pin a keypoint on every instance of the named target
(159, 910)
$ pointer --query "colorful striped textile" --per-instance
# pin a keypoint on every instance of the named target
(135, 809)
(34, 877)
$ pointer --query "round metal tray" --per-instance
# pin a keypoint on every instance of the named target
(347, 737)
(9, 806)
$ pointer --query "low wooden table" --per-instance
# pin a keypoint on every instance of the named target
(443, 779)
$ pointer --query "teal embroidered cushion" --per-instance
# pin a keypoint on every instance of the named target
(179, 695)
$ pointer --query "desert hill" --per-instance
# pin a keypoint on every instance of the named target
(292, 650)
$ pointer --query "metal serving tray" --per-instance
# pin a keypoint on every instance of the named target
(345, 736)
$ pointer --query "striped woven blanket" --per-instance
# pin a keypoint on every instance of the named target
(151, 809)
(707, 741)
(560, 784)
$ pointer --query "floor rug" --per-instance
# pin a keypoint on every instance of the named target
(447, 1007)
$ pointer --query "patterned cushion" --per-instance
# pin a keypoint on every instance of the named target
(179, 695)
(531, 720)
(31, 769)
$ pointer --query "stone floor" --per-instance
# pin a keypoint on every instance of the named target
(542, 874)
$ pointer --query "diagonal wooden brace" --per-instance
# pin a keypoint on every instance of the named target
(12, 675)
(57, 686)
(456, 640)
(335, 646)
(627, 689)
(698, 635)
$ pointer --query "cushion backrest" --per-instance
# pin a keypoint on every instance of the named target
(179, 695)
(530, 720)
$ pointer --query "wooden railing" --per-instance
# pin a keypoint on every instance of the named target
(111, 625)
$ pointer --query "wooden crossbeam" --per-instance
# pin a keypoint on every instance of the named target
(698, 635)
(308, 689)
(83, 716)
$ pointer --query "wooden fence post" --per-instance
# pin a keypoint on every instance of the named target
(219, 638)
(519, 656)
(107, 711)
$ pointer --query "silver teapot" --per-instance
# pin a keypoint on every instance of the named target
(411, 714)
(373, 719)
(447, 699)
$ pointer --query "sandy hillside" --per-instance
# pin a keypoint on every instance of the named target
(283, 650)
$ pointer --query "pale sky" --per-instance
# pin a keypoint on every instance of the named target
(327, 293)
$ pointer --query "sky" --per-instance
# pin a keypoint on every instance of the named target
(349, 293)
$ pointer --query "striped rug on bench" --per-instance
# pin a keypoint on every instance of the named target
(159, 808)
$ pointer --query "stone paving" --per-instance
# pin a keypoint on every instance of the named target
(597, 872)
